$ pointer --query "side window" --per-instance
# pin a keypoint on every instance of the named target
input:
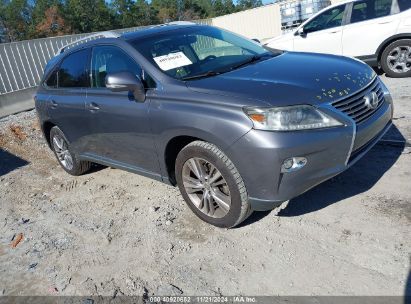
(404, 5)
(371, 9)
(108, 60)
(51, 82)
(73, 72)
(328, 19)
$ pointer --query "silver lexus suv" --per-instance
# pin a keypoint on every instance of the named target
(232, 124)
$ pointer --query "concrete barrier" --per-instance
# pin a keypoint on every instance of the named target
(17, 101)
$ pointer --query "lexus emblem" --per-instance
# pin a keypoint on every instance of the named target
(371, 100)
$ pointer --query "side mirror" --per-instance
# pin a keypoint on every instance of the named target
(126, 81)
(256, 40)
(301, 32)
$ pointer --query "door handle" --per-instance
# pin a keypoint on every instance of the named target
(93, 107)
(54, 104)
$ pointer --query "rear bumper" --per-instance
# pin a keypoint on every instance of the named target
(259, 155)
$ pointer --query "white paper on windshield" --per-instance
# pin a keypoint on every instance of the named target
(172, 61)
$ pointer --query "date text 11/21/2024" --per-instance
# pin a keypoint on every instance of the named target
(202, 299)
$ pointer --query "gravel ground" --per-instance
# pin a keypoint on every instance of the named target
(112, 233)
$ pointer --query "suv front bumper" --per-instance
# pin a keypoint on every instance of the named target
(258, 156)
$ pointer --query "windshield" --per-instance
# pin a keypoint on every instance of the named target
(195, 52)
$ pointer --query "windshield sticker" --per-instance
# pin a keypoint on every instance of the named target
(172, 61)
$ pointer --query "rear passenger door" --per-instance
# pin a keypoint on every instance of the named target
(67, 86)
(370, 23)
(119, 129)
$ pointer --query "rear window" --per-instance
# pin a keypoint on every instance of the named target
(73, 72)
(371, 9)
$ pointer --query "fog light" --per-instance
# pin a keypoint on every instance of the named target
(293, 164)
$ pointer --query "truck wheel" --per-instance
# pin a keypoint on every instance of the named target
(211, 185)
(396, 59)
(67, 159)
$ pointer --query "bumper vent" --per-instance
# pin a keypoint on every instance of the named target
(356, 106)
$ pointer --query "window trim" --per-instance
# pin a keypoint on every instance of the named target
(125, 53)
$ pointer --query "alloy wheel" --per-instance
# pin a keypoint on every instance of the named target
(399, 59)
(62, 152)
(206, 187)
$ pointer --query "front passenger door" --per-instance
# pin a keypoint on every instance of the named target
(323, 34)
(119, 129)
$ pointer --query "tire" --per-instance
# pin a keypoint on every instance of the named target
(61, 148)
(400, 67)
(226, 204)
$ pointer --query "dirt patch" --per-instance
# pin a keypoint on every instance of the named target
(394, 206)
(18, 132)
(2, 140)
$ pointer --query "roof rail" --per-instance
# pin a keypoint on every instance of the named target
(180, 23)
(107, 34)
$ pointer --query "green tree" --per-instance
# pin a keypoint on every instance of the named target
(17, 18)
(145, 13)
(167, 9)
(124, 13)
(247, 4)
(44, 18)
(3, 30)
(223, 7)
(86, 16)
(39, 8)
(53, 24)
(38, 15)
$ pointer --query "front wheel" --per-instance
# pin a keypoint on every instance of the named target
(396, 59)
(211, 185)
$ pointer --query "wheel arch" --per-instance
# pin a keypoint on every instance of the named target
(388, 41)
(46, 128)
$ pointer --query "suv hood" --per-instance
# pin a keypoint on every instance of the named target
(289, 79)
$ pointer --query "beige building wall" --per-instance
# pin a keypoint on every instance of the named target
(261, 23)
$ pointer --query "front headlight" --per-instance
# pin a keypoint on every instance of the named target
(291, 118)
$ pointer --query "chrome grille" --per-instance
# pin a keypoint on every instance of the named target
(355, 106)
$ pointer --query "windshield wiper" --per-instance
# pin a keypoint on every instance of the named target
(202, 75)
(249, 60)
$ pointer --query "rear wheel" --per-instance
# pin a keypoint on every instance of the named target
(396, 59)
(211, 185)
(67, 159)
